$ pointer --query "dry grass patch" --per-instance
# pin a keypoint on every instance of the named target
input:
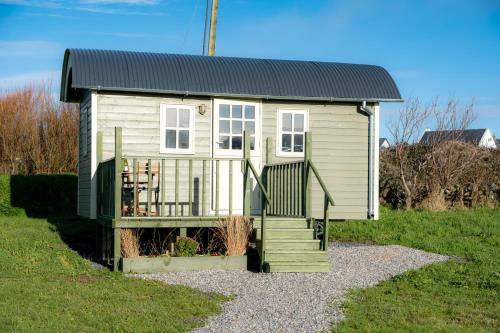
(234, 232)
(130, 243)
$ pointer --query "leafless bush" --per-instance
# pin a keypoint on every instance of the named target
(234, 232)
(38, 134)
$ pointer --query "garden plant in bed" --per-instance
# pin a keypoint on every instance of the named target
(161, 250)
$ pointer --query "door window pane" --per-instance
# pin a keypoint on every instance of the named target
(252, 143)
(298, 124)
(250, 127)
(224, 126)
(237, 127)
(183, 139)
(298, 143)
(223, 142)
(236, 111)
(286, 142)
(249, 112)
(170, 141)
(224, 111)
(287, 122)
(171, 117)
(236, 142)
(184, 118)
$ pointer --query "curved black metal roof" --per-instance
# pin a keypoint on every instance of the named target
(223, 76)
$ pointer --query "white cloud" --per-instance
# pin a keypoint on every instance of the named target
(12, 82)
(26, 48)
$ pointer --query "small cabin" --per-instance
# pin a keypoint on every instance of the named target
(171, 140)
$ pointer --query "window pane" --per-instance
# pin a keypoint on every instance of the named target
(236, 142)
(298, 143)
(237, 127)
(252, 143)
(224, 126)
(171, 117)
(184, 118)
(250, 127)
(170, 141)
(298, 124)
(286, 142)
(223, 142)
(224, 111)
(183, 139)
(287, 122)
(236, 111)
(249, 112)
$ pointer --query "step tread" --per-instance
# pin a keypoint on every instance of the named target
(293, 240)
(296, 251)
(291, 218)
(298, 263)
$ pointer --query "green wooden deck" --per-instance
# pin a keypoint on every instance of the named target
(283, 232)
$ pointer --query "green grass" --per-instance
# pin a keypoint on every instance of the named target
(45, 286)
(456, 296)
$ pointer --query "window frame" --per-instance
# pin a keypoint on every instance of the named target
(85, 130)
(163, 129)
(279, 131)
(216, 130)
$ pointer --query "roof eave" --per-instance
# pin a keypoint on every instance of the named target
(225, 95)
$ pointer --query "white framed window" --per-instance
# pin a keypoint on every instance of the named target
(177, 129)
(290, 137)
(231, 118)
(85, 130)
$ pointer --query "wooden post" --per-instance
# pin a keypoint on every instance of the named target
(118, 172)
(326, 216)
(307, 172)
(150, 186)
(213, 28)
(269, 150)
(247, 186)
(116, 248)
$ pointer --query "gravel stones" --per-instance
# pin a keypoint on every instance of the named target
(298, 302)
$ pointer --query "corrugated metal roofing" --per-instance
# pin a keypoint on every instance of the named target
(470, 135)
(224, 76)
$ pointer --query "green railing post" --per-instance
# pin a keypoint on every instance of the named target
(307, 172)
(326, 216)
(116, 248)
(247, 189)
(118, 172)
(269, 150)
(263, 216)
(150, 186)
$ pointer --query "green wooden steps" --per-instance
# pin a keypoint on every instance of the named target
(290, 246)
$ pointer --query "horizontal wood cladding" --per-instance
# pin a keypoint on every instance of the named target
(340, 153)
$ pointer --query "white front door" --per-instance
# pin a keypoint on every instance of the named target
(230, 119)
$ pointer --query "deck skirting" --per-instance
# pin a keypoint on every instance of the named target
(182, 264)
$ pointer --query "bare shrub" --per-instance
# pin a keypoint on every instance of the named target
(234, 232)
(130, 243)
(38, 134)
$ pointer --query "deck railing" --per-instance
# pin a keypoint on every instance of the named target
(133, 186)
(289, 185)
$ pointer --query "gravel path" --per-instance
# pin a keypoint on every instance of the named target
(298, 302)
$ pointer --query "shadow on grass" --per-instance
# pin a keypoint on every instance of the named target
(54, 198)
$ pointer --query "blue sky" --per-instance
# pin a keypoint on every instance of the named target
(439, 48)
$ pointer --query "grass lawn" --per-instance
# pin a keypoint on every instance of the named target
(45, 286)
(444, 297)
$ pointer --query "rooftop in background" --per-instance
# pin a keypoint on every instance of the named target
(480, 136)
(223, 76)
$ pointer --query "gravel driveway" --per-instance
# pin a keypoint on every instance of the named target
(298, 302)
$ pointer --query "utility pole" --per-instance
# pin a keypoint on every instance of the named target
(213, 28)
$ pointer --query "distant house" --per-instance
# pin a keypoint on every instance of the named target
(383, 143)
(481, 137)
